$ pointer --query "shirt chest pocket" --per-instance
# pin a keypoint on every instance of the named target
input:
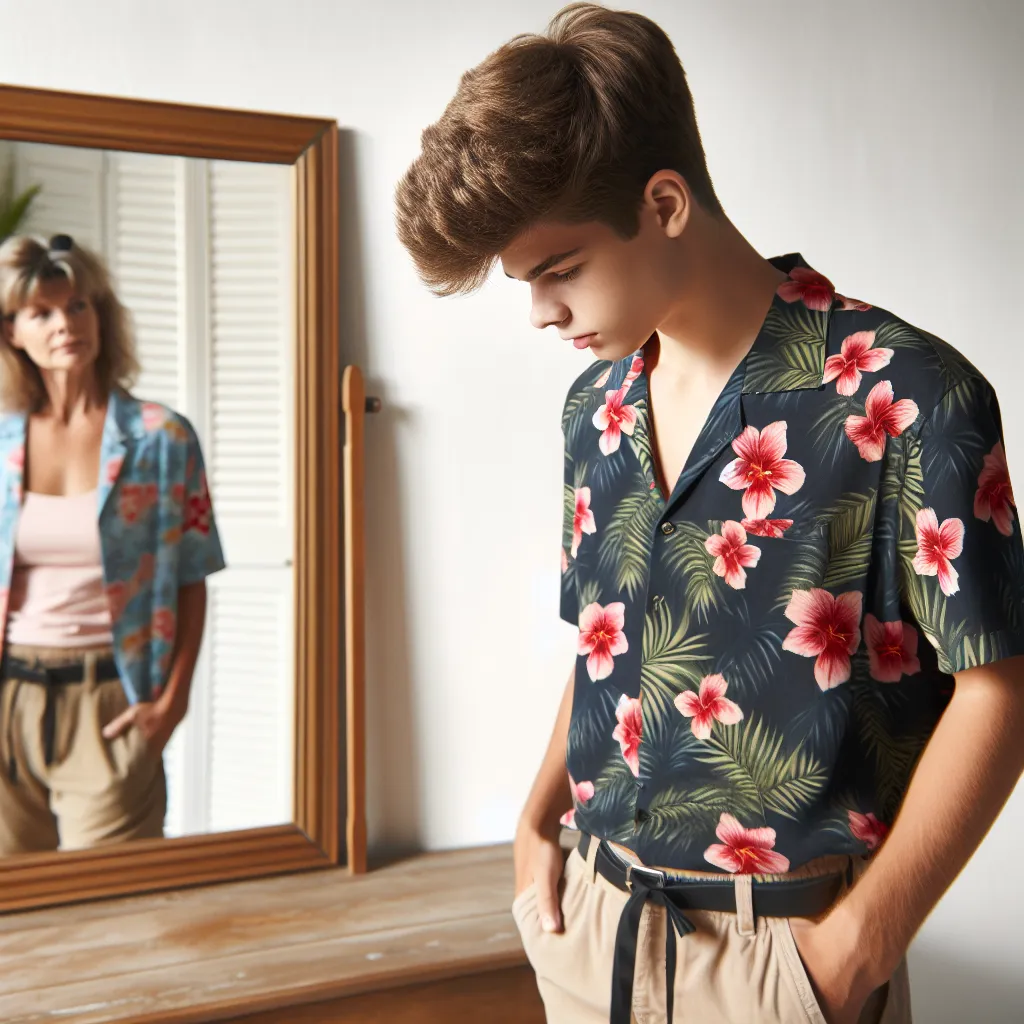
(761, 572)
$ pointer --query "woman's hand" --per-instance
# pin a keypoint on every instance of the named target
(538, 858)
(156, 720)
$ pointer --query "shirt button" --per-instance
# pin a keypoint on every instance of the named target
(667, 528)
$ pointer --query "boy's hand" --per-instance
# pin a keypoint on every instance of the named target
(539, 858)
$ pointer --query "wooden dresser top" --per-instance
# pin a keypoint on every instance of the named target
(206, 954)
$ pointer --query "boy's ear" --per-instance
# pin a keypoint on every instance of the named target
(668, 194)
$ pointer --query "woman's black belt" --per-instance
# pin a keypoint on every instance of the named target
(802, 897)
(50, 677)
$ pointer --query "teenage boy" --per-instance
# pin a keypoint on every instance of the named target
(789, 546)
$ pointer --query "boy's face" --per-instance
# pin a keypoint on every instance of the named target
(601, 292)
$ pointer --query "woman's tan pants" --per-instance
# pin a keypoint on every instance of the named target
(729, 971)
(96, 790)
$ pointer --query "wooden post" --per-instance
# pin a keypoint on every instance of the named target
(354, 405)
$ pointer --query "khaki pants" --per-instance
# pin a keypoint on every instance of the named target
(96, 790)
(727, 972)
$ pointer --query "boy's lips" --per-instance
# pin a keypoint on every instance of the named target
(583, 341)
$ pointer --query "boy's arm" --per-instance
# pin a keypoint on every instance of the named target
(538, 856)
(964, 777)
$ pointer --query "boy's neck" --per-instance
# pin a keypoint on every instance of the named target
(726, 289)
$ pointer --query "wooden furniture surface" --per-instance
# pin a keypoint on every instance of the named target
(322, 798)
(430, 938)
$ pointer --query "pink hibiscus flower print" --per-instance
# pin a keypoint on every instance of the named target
(937, 546)
(892, 649)
(857, 356)
(614, 419)
(16, 459)
(153, 415)
(581, 793)
(761, 470)
(994, 497)
(773, 528)
(164, 624)
(867, 828)
(602, 637)
(847, 303)
(732, 554)
(745, 851)
(113, 468)
(828, 629)
(636, 367)
(628, 731)
(583, 518)
(708, 706)
(884, 416)
(813, 288)
(136, 500)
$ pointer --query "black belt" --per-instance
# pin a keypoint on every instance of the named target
(50, 677)
(803, 897)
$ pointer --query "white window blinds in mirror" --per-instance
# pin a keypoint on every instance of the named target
(202, 253)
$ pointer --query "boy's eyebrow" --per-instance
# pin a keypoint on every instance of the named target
(551, 261)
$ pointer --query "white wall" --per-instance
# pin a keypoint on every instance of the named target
(883, 141)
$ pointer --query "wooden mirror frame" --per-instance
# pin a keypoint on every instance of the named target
(314, 839)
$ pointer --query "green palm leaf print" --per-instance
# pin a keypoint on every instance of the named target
(626, 540)
(796, 361)
(807, 567)
(897, 335)
(752, 657)
(568, 515)
(640, 440)
(751, 758)
(589, 729)
(928, 605)
(673, 659)
(687, 556)
(849, 526)
(578, 413)
(681, 815)
(828, 431)
(614, 798)
(894, 756)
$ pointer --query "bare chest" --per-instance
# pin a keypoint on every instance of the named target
(61, 458)
(677, 418)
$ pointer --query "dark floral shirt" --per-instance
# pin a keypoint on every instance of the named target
(763, 656)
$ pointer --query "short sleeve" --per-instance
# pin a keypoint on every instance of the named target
(201, 553)
(569, 601)
(961, 558)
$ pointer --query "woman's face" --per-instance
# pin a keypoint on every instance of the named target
(58, 329)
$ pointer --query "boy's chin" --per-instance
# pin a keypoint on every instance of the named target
(611, 351)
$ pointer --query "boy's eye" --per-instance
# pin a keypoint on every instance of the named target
(568, 275)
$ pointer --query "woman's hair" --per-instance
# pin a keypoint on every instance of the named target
(565, 126)
(26, 262)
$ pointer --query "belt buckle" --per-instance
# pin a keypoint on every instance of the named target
(658, 877)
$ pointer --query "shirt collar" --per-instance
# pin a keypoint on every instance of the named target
(789, 351)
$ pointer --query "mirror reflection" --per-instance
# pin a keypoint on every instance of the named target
(146, 498)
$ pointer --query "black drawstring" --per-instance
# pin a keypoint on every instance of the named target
(12, 764)
(626, 943)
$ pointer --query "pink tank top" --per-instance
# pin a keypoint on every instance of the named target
(57, 594)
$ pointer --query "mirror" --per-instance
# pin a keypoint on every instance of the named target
(170, 532)
(200, 254)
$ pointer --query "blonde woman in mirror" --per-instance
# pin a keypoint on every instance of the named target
(106, 538)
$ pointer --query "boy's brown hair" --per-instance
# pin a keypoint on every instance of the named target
(566, 126)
